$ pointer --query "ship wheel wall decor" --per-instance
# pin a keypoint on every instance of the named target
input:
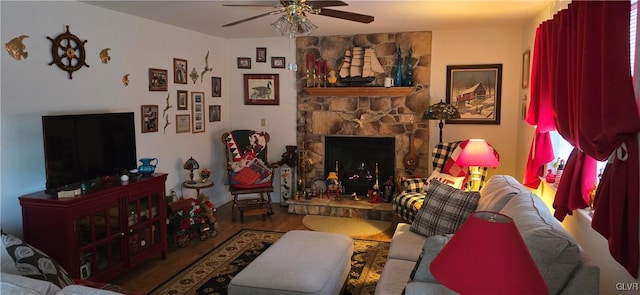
(68, 52)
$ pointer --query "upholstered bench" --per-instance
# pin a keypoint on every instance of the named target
(300, 262)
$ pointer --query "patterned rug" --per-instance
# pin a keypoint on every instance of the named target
(212, 273)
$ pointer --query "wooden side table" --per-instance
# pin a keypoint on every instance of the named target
(197, 185)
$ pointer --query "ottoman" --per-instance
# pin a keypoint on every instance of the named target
(300, 262)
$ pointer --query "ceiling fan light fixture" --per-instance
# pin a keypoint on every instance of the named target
(293, 25)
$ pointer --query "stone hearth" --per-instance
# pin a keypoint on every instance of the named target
(371, 116)
(344, 208)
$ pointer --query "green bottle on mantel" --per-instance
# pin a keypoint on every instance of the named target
(398, 80)
(408, 70)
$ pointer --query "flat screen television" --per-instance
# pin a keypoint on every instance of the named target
(83, 147)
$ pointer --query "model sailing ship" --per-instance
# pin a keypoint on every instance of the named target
(359, 67)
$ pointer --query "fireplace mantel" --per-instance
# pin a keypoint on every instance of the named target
(359, 91)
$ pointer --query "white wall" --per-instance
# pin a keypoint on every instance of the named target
(489, 45)
(279, 120)
(31, 88)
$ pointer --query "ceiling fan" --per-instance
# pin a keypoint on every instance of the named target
(299, 8)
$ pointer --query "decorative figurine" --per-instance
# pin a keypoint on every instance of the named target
(332, 78)
(16, 48)
(333, 186)
(104, 55)
(388, 187)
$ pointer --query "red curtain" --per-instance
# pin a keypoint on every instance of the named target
(591, 93)
(540, 113)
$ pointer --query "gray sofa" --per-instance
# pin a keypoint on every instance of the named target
(558, 257)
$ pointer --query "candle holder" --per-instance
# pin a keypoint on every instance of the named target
(315, 78)
(309, 81)
(321, 80)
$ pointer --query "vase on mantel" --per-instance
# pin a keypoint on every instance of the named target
(398, 79)
(408, 70)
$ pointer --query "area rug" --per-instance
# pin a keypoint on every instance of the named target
(355, 227)
(212, 273)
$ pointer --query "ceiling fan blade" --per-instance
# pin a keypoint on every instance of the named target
(253, 17)
(253, 3)
(321, 4)
(356, 17)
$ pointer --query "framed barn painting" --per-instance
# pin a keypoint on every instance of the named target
(475, 90)
(261, 89)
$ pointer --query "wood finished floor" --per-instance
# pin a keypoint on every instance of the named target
(150, 274)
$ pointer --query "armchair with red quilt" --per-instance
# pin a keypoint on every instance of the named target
(248, 170)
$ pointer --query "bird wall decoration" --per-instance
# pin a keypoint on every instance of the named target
(206, 67)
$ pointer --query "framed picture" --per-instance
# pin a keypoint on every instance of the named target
(244, 62)
(216, 87)
(277, 62)
(180, 71)
(158, 80)
(475, 90)
(183, 123)
(197, 112)
(214, 113)
(149, 115)
(183, 100)
(526, 57)
(261, 89)
(261, 54)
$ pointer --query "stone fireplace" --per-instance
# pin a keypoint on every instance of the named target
(356, 158)
(372, 115)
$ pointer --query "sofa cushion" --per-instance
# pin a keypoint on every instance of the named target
(444, 210)
(432, 246)
(424, 288)
(394, 276)
(556, 258)
(498, 190)
(33, 263)
(17, 284)
(555, 253)
(405, 244)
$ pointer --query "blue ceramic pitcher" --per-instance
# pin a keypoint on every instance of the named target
(147, 167)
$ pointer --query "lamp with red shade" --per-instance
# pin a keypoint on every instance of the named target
(487, 255)
(475, 154)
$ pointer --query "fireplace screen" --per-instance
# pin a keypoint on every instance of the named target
(356, 158)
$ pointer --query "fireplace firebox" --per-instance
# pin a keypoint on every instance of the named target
(355, 158)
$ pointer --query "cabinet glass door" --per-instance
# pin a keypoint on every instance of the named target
(145, 221)
(100, 237)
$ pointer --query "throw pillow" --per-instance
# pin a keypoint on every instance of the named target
(432, 246)
(444, 210)
(451, 167)
(450, 180)
(33, 263)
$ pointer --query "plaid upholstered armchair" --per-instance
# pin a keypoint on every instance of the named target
(248, 170)
(414, 189)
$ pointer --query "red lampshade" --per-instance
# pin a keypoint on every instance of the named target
(488, 256)
(477, 152)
